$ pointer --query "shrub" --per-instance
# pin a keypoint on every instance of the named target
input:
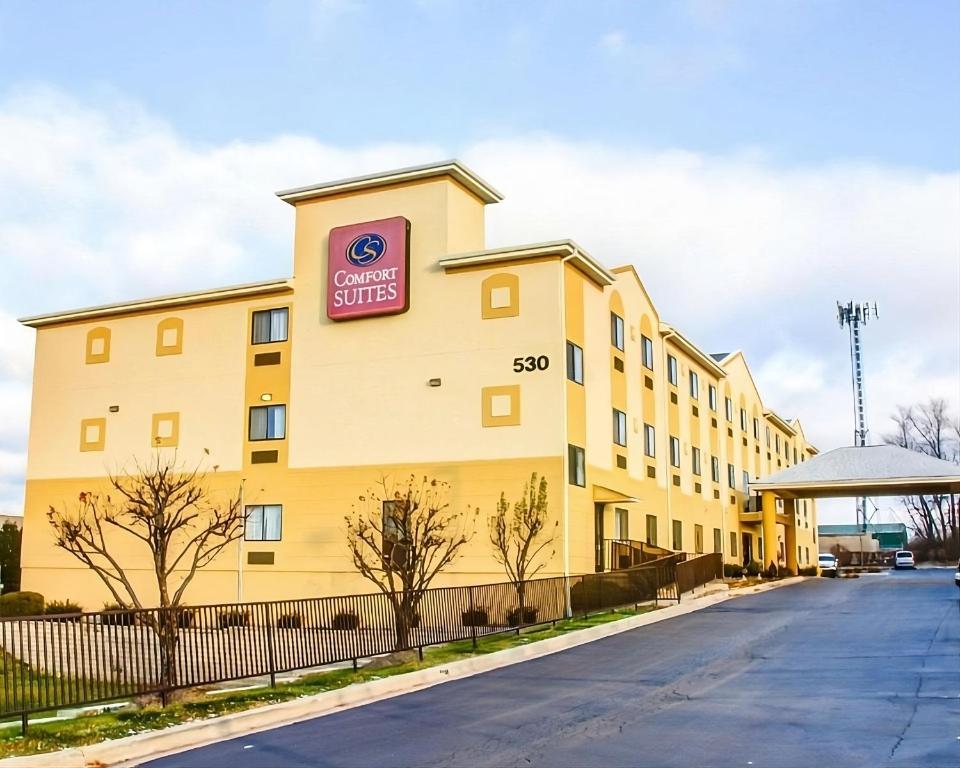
(772, 571)
(478, 617)
(529, 616)
(593, 594)
(810, 571)
(731, 571)
(186, 619)
(346, 621)
(21, 604)
(753, 568)
(118, 616)
(62, 608)
(234, 618)
(290, 621)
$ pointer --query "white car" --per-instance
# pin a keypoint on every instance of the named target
(828, 564)
(903, 559)
(956, 574)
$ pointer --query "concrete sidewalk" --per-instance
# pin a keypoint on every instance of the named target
(133, 750)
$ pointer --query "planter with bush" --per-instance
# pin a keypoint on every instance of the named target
(64, 610)
(234, 618)
(21, 604)
(731, 571)
(117, 616)
(346, 621)
(290, 621)
(478, 617)
(529, 616)
(592, 594)
(811, 571)
(752, 569)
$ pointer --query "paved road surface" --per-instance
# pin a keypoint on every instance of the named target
(831, 673)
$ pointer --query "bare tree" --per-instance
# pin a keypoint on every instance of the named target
(521, 538)
(400, 537)
(169, 509)
(928, 428)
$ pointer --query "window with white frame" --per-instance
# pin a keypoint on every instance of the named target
(616, 330)
(619, 427)
(574, 363)
(694, 385)
(746, 481)
(649, 441)
(696, 461)
(268, 422)
(263, 522)
(269, 325)
(728, 406)
(712, 397)
(715, 469)
(672, 370)
(577, 470)
(743, 419)
(674, 451)
(646, 352)
(731, 476)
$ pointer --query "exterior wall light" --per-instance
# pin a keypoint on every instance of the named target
(266, 397)
(114, 409)
(434, 383)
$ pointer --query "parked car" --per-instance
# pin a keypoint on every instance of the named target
(903, 559)
(828, 564)
(956, 574)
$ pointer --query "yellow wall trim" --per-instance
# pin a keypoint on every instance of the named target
(165, 430)
(501, 406)
(170, 336)
(500, 296)
(98, 345)
(93, 434)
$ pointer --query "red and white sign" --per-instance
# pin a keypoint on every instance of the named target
(367, 269)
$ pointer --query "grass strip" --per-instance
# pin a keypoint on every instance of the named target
(199, 705)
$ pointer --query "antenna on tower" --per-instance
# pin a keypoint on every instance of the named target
(854, 315)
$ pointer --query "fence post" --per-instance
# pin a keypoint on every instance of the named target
(473, 619)
(270, 649)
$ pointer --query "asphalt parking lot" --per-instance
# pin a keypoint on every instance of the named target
(838, 672)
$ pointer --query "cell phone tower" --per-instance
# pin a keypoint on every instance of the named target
(854, 316)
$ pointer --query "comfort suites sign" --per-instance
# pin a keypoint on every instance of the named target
(367, 268)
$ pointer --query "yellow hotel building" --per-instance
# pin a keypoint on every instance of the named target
(490, 364)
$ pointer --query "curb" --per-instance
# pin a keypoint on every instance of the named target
(133, 750)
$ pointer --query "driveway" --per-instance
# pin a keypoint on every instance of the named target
(838, 672)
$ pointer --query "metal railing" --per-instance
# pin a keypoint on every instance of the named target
(66, 660)
(628, 553)
(697, 570)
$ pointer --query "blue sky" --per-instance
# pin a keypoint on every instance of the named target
(756, 160)
(804, 81)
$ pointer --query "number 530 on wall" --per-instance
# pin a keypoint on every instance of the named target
(530, 363)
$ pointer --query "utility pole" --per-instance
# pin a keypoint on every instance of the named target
(854, 316)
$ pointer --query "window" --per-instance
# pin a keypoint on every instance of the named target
(743, 419)
(574, 363)
(776, 442)
(652, 530)
(169, 337)
(756, 429)
(694, 385)
(646, 352)
(98, 346)
(674, 451)
(698, 539)
(794, 454)
(268, 422)
(621, 528)
(616, 330)
(393, 539)
(270, 325)
(731, 476)
(733, 543)
(696, 461)
(728, 407)
(672, 370)
(165, 430)
(746, 481)
(500, 296)
(619, 427)
(677, 536)
(500, 406)
(715, 469)
(263, 522)
(649, 441)
(93, 434)
(577, 468)
(768, 436)
(712, 397)
(717, 540)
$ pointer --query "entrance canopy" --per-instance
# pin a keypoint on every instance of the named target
(871, 470)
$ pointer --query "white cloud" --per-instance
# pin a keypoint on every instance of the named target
(613, 42)
(105, 204)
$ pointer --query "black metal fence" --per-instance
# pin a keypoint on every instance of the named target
(68, 660)
(697, 570)
(627, 553)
